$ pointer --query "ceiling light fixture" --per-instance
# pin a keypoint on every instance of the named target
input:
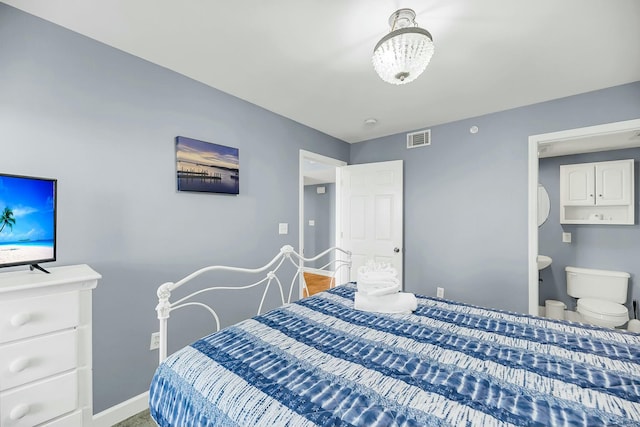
(403, 54)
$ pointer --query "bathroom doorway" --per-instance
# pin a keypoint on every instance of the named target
(593, 139)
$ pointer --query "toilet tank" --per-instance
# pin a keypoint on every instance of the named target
(602, 284)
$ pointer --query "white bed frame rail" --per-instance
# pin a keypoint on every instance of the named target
(340, 260)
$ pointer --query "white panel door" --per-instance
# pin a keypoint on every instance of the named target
(372, 212)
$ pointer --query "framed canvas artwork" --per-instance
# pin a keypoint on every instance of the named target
(206, 167)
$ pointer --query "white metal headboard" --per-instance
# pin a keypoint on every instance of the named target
(340, 260)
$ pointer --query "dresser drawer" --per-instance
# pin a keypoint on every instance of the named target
(72, 420)
(35, 358)
(39, 402)
(38, 315)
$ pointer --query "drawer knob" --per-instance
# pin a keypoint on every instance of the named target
(19, 412)
(20, 319)
(18, 365)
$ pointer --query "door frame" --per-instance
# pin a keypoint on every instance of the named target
(534, 145)
(308, 155)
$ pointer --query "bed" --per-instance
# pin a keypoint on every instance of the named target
(319, 362)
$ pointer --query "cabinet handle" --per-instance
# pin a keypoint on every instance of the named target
(20, 319)
(599, 195)
(18, 365)
(19, 412)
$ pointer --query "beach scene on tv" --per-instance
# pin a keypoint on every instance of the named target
(206, 167)
(27, 220)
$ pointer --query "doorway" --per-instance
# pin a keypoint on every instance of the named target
(376, 192)
(317, 171)
(610, 136)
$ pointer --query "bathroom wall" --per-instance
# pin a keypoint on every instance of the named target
(605, 247)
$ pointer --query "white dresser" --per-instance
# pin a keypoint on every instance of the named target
(45, 347)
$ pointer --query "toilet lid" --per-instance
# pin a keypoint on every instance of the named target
(606, 308)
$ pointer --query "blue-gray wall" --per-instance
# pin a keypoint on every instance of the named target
(604, 247)
(465, 196)
(320, 208)
(103, 123)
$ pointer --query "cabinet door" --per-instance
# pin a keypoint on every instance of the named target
(613, 180)
(577, 184)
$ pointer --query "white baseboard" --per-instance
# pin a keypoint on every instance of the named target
(122, 411)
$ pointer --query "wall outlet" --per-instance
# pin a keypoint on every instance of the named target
(155, 341)
(440, 292)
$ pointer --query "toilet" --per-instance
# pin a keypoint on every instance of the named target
(601, 295)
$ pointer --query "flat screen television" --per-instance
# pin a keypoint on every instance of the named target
(27, 221)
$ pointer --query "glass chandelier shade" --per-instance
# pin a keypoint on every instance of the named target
(403, 54)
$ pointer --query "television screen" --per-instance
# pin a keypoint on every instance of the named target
(27, 220)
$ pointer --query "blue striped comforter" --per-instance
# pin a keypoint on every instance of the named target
(319, 362)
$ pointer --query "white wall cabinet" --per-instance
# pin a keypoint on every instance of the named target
(597, 193)
(45, 347)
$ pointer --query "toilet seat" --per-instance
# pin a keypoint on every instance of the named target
(603, 313)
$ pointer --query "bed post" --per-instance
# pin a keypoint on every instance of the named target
(163, 308)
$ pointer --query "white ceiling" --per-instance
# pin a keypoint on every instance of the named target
(310, 60)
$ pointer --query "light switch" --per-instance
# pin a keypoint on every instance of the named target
(566, 237)
(312, 222)
(283, 228)
(321, 190)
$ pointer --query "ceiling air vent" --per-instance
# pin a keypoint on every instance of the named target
(419, 139)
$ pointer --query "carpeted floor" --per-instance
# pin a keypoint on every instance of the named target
(143, 419)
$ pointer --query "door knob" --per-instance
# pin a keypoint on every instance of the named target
(396, 250)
